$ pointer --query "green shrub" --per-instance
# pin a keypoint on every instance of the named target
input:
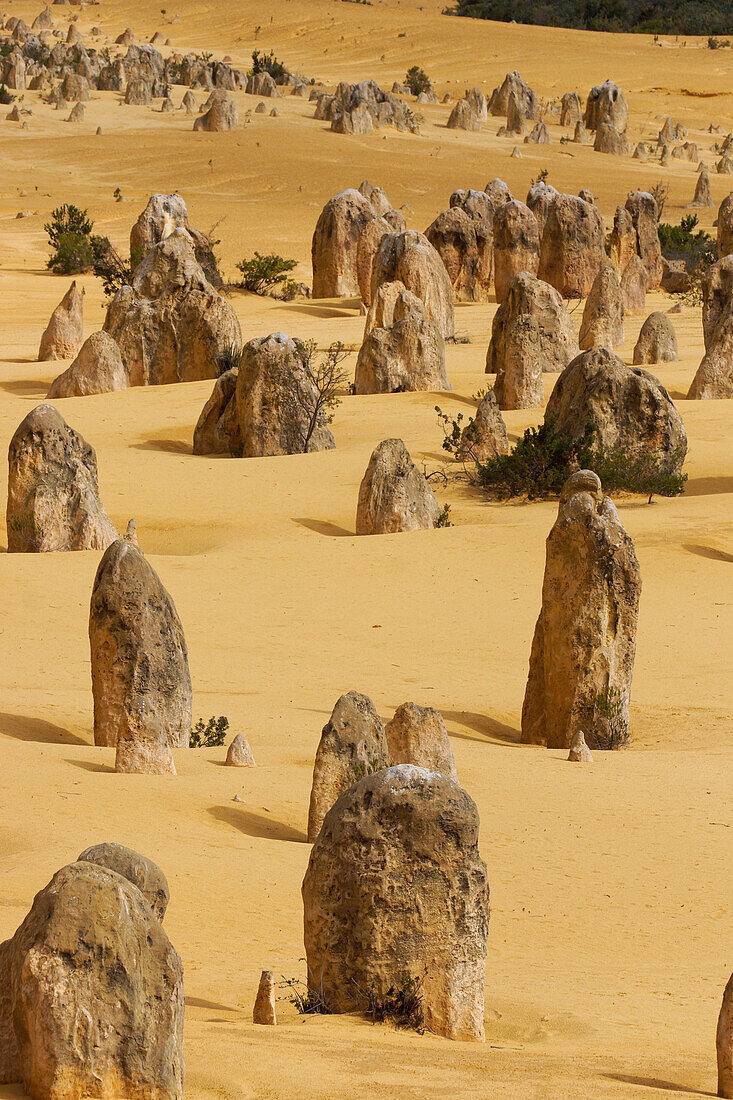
(262, 273)
(417, 80)
(75, 248)
(681, 242)
(210, 734)
(267, 63)
(231, 357)
(402, 1005)
(699, 17)
(443, 519)
(543, 460)
(114, 271)
(329, 380)
(5, 96)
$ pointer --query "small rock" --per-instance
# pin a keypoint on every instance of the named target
(264, 1009)
(239, 755)
(579, 751)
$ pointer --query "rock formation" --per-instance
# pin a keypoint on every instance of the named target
(137, 869)
(644, 215)
(540, 198)
(571, 111)
(410, 258)
(264, 1007)
(335, 244)
(531, 332)
(610, 140)
(724, 1043)
(65, 331)
(98, 368)
(352, 743)
(516, 244)
(603, 316)
(171, 324)
(394, 496)
(463, 117)
(221, 113)
(140, 678)
(485, 436)
(703, 195)
(631, 410)
(405, 352)
(239, 754)
(499, 101)
(417, 735)
(465, 245)
(579, 751)
(92, 993)
(714, 377)
(725, 227)
(606, 102)
(584, 643)
(276, 400)
(217, 429)
(571, 252)
(657, 342)
(53, 489)
(396, 890)
(634, 282)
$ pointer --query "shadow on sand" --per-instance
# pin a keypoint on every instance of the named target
(253, 824)
(488, 729)
(323, 527)
(655, 1083)
(707, 552)
(24, 728)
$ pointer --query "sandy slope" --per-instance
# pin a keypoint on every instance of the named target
(610, 933)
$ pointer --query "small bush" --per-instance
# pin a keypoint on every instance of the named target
(681, 242)
(544, 459)
(417, 80)
(308, 1001)
(114, 271)
(542, 176)
(267, 63)
(210, 734)
(262, 273)
(75, 248)
(360, 770)
(403, 1005)
(329, 380)
(229, 358)
(5, 96)
(660, 193)
(443, 519)
(539, 465)
(609, 704)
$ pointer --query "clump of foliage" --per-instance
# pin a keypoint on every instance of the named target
(443, 519)
(113, 269)
(329, 381)
(609, 704)
(267, 63)
(694, 17)
(231, 357)
(262, 274)
(417, 80)
(75, 248)
(660, 193)
(361, 769)
(205, 735)
(542, 176)
(402, 1005)
(543, 460)
(716, 44)
(681, 242)
(539, 465)
(5, 95)
(306, 999)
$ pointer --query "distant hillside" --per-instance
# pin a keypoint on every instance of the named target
(648, 16)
